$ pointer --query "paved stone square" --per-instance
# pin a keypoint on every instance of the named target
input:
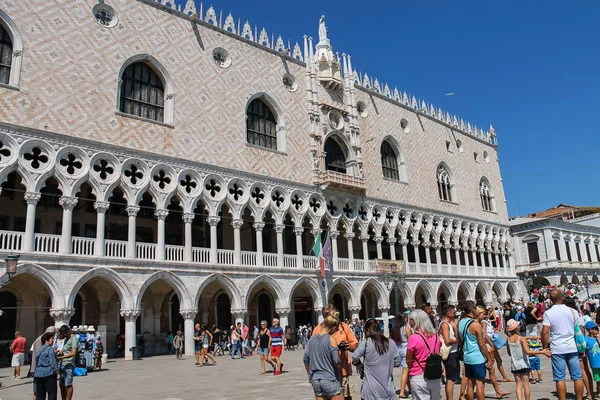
(165, 378)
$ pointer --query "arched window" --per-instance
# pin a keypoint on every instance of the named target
(443, 182)
(335, 159)
(6, 55)
(142, 92)
(389, 162)
(486, 196)
(261, 126)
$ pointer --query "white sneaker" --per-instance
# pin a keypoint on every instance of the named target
(18, 378)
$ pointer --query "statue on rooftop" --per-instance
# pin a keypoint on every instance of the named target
(322, 30)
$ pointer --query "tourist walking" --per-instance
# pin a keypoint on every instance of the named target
(235, 342)
(17, 349)
(593, 352)
(119, 347)
(586, 374)
(197, 342)
(98, 352)
(66, 359)
(495, 342)
(246, 349)
(218, 342)
(46, 369)
(178, 345)
(376, 356)
(277, 343)
(322, 360)
(482, 317)
(262, 347)
(475, 354)
(449, 333)
(206, 340)
(519, 353)
(346, 343)
(423, 347)
(558, 333)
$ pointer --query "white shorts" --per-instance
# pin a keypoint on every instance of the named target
(18, 360)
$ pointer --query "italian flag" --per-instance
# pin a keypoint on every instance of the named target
(318, 252)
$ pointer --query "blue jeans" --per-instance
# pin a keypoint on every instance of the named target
(236, 348)
(560, 363)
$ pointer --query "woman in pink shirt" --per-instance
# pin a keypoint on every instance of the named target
(423, 342)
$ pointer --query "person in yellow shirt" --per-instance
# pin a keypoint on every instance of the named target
(346, 342)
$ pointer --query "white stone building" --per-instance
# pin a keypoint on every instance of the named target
(555, 252)
(162, 166)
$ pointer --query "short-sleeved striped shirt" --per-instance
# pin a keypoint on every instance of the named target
(276, 336)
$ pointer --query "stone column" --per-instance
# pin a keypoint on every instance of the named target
(237, 243)
(427, 245)
(438, 255)
(562, 245)
(158, 341)
(365, 249)
(61, 316)
(378, 240)
(489, 257)
(299, 231)
(161, 215)
(258, 228)
(101, 208)
(188, 330)
(549, 245)
(334, 249)
(404, 245)
(130, 317)
(188, 252)
(498, 270)
(31, 198)
(466, 255)
(481, 260)
(392, 242)
(213, 222)
(284, 314)
(447, 247)
(279, 230)
(131, 245)
(349, 236)
(241, 314)
(415, 246)
(355, 310)
(386, 323)
(67, 203)
(456, 249)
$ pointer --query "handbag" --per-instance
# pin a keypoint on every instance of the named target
(460, 353)
(444, 350)
(498, 341)
(579, 338)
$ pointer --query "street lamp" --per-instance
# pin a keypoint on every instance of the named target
(396, 281)
(11, 265)
(586, 283)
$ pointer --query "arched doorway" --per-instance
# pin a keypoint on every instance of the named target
(303, 310)
(462, 295)
(224, 318)
(8, 319)
(420, 297)
(369, 304)
(564, 280)
(443, 298)
(575, 279)
(214, 306)
(265, 308)
(539, 282)
(339, 296)
(479, 296)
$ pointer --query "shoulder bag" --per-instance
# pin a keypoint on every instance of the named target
(444, 350)
(579, 338)
(460, 352)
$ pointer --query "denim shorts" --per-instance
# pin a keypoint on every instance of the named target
(560, 363)
(66, 374)
(326, 388)
(263, 350)
(534, 363)
(475, 371)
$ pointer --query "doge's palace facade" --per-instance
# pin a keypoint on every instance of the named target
(166, 165)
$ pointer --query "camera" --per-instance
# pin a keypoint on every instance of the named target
(343, 346)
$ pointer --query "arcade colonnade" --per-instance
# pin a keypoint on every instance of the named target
(149, 303)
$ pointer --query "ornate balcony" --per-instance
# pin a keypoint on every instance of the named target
(339, 180)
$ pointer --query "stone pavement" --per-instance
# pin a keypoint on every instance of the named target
(165, 378)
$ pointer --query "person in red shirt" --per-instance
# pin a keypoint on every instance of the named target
(18, 349)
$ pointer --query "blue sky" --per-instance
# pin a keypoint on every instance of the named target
(532, 68)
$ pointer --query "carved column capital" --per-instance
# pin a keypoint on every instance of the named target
(404, 242)
(101, 206)
(188, 218)
(258, 226)
(32, 197)
(68, 202)
(279, 228)
(161, 214)
(349, 235)
(354, 309)
(130, 315)
(238, 313)
(61, 314)
(299, 230)
(213, 220)
(437, 246)
(378, 239)
(132, 210)
(415, 243)
(315, 232)
(334, 235)
(427, 244)
(391, 240)
(364, 238)
(189, 313)
(237, 223)
(283, 312)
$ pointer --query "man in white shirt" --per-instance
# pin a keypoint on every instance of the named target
(559, 333)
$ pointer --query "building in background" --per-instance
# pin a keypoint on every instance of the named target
(163, 165)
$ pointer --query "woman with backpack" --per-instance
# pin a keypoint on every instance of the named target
(423, 357)
(376, 357)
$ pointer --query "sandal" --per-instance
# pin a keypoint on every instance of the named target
(501, 395)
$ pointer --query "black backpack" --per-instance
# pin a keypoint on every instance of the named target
(433, 363)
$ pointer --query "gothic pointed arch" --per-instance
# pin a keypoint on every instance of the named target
(11, 51)
(272, 284)
(337, 154)
(127, 301)
(145, 89)
(43, 275)
(265, 127)
(173, 280)
(228, 285)
(312, 286)
(488, 202)
(392, 161)
(445, 184)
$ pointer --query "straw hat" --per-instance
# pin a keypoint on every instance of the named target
(90, 329)
(511, 325)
